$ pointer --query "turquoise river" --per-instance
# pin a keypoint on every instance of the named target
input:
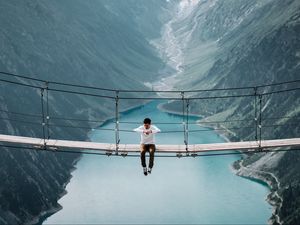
(201, 190)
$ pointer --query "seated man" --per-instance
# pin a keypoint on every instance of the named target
(147, 132)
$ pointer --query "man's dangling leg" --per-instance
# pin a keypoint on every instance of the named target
(143, 158)
(151, 159)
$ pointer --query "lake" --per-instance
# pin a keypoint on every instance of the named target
(201, 190)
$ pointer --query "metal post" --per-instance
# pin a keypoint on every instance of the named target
(43, 116)
(260, 119)
(117, 135)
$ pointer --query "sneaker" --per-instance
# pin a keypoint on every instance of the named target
(145, 171)
(149, 170)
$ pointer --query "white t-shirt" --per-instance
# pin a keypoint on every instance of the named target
(147, 138)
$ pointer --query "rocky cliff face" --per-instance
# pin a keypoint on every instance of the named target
(82, 42)
(239, 44)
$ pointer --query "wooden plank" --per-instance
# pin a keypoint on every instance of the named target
(226, 146)
(21, 140)
(124, 148)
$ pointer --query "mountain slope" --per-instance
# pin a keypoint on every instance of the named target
(81, 42)
(240, 44)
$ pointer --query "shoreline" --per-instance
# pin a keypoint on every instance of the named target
(219, 132)
(273, 184)
(42, 217)
(162, 108)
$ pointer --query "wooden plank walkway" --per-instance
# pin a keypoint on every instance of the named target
(131, 148)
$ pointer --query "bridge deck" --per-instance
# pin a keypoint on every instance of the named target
(245, 145)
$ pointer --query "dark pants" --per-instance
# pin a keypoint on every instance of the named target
(147, 148)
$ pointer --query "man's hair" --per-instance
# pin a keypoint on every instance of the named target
(147, 121)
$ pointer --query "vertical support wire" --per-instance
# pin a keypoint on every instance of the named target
(43, 117)
(183, 117)
(260, 120)
(47, 110)
(187, 125)
(117, 135)
(255, 113)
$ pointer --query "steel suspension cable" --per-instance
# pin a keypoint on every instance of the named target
(165, 131)
(171, 91)
(151, 98)
(138, 122)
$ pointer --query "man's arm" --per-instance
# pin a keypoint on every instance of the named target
(139, 129)
(155, 129)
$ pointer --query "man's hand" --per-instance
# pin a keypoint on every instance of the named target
(147, 132)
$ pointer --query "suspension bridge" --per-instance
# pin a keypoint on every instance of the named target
(117, 148)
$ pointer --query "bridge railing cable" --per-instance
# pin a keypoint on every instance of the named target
(145, 91)
(150, 98)
(131, 131)
(199, 122)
